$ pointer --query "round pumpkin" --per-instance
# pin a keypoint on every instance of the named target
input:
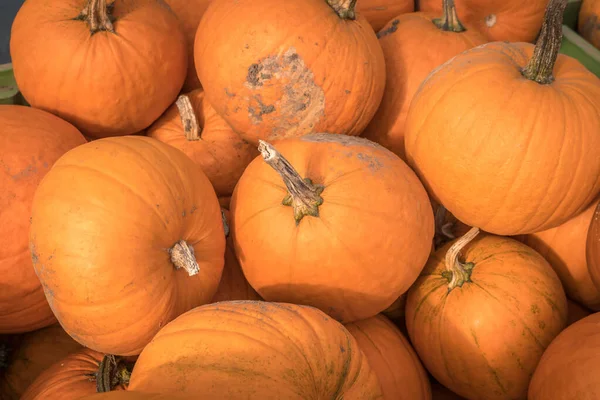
(31, 141)
(126, 234)
(391, 356)
(569, 368)
(426, 39)
(253, 349)
(508, 20)
(193, 126)
(576, 312)
(588, 23)
(109, 68)
(481, 324)
(309, 230)
(593, 247)
(274, 69)
(486, 126)
(379, 12)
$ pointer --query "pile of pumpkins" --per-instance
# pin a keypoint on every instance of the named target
(312, 199)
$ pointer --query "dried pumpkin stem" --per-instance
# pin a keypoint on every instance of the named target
(443, 229)
(458, 272)
(343, 8)
(540, 66)
(225, 222)
(112, 372)
(188, 117)
(304, 196)
(98, 15)
(449, 21)
(182, 256)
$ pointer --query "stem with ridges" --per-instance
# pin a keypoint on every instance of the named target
(182, 256)
(458, 272)
(188, 118)
(540, 66)
(112, 372)
(98, 15)
(449, 21)
(304, 196)
(343, 8)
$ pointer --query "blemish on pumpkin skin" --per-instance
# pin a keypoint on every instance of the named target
(389, 30)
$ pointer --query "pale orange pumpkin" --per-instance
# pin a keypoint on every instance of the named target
(593, 247)
(588, 23)
(379, 12)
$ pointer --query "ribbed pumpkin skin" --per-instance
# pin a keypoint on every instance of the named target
(393, 359)
(483, 340)
(103, 221)
(253, 349)
(500, 141)
(30, 141)
(588, 23)
(569, 368)
(380, 12)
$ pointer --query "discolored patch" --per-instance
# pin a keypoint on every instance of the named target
(590, 26)
(344, 140)
(389, 30)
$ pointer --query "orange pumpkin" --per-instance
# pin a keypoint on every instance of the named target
(304, 229)
(272, 72)
(428, 42)
(391, 356)
(253, 349)
(379, 12)
(31, 141)
(126, 234)
(481, 146)
(588, 23)
(507, 20)
(109, 69)
(593, 247)
(569, 368)
(192, 126)
(575, 312)
(481, 325)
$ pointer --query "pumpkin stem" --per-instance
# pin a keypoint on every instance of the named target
(225, 223)
(449, 21)
(182, 256)
(458, 272)
(540, 66)
(304, 196)
(98, 15)
(443, 229)
(343, 8)
(188, 118)
(112, 372)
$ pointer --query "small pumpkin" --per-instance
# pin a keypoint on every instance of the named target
(303, 229)
(379, 12)
(193, 126)
(480, 146)
(126, 234)
(481, 324)
(576, 312)
(274, 69)
(588, 23)
(31, 141)
(569, 368)
(109, 68)
(252, 349)
(593, 247)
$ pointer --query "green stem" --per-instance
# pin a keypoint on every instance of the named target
(343, 8)
(188, 117)
(457, 272)
(449, 21)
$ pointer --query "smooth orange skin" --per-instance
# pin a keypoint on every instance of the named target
(483, 340)
(327, 262)
(516, 20)
(588, 23)
(222, 153)
(106, 84)
(391, 356)
(379, 12)
(330, 72)
(253, 349)
(481, 137)
(593, 247)
(576, 312)
(569, 368)
(411, 52)
(31, 141)
(103, 221)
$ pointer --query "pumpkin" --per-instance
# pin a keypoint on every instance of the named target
(508, 20)
(108, 68)
(274, 69)
(33, 353)
(588, 23)
(428, 42)
(391, 356)
(379, 12)
(192, 126)
(575, 312)
(304, 229)
(253, 349)
(126, 234)
(569, 367)
(481, 146)
(593, 248)
(565, 249)
(81, 373)
(481, 324)
(31, 141)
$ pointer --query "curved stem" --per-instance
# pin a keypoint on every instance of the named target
(98, 15)
(112, 372)
(182, 256)
(343, 8)
(449, 21)
(540, 66)
(188, 118)
(458, 272)
(304, 196)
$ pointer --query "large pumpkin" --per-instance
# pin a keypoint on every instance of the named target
(481, 324)
(507, 20)
(126, 234)
(252, 349)
(588, 23)
(379, 12)
(275, 69)
(192, 126)
(505, 137)
(344, 225)
(30, 141)
(569, 368)
(427, 41)
(593, 247)
(109, 68)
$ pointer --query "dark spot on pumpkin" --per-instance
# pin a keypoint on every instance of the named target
(542, 325)
(342, 349)
(194, 208)
(535, 309)
(183, 213)
(347, 91)
(228, 93)
(389, 30)
(590, 25)
(253, 74)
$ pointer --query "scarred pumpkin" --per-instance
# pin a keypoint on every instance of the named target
(593, 247)
(379, 12)
(588, 23)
